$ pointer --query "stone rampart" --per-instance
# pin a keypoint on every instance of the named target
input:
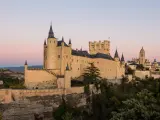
(7, 95)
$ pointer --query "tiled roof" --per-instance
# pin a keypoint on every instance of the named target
(86, 54)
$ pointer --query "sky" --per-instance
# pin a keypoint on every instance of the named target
(130, 24)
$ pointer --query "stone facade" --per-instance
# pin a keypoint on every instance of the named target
(142, 59)
(61, 61)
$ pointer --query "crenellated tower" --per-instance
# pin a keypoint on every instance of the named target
(99, 47)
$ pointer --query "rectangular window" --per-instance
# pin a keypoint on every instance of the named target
(58, 56)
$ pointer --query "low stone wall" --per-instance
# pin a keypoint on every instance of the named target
(7, 95)
(142, 74)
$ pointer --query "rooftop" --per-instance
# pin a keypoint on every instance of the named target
(86, 54)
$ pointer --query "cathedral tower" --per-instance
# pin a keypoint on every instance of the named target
(142, 56)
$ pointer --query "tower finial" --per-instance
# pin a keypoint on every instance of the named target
(116, 54)
(44, 41)
(51, 34)
(62, 39)
(25, 62)
(70, 41)
(67, 67)
(122, 58)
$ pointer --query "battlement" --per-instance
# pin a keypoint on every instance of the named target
(99, 47)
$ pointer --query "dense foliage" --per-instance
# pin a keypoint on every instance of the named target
(10, 82)
(135, 100)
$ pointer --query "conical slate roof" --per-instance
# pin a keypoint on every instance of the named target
(50, 34)
(122, 58)
(116, 54)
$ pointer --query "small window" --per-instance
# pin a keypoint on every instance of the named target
(58, 56)
(78, 68)
(77, 60)
(66, 56)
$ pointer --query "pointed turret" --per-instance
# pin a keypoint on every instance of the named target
(70, 44)
(62, 39)
(67, 67)
(122, 58)
(25, 63)
(45, 42)
(155, 60)
(70, 41)
(142, 50)
(50, 34)
(116, 54)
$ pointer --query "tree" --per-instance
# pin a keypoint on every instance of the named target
(140, 67)
(91, 74)
(143, 106)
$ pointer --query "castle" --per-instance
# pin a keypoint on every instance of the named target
(62, 63)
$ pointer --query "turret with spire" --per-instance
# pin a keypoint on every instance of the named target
(116, 57)
(62, 43)
(67, 67)
(45, 42)
(25, 62)
(50, 51)
(25, 66)
(51, 34)
(70, 44)
(122, 60)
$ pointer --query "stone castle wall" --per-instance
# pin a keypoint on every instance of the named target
(34, 78)
(7, 95)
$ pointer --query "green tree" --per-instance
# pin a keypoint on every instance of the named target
(144, 106)
(67, 116)
(91, 74)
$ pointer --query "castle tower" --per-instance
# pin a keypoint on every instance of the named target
(67, 77)
(25, 72)
(116, 57)
(99, 47)
(44, 54)
(122, 60)
(142, 56)
(51, 57)
(70, 44)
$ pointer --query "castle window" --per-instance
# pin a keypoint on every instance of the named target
(58, 56)
(66, 56)
(77, 60)
(78, 68)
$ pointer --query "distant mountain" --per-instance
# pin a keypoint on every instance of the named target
(21, 68)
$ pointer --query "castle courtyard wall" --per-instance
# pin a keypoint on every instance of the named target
(35, 77)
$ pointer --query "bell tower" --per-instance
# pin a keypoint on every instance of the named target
(142, 56)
